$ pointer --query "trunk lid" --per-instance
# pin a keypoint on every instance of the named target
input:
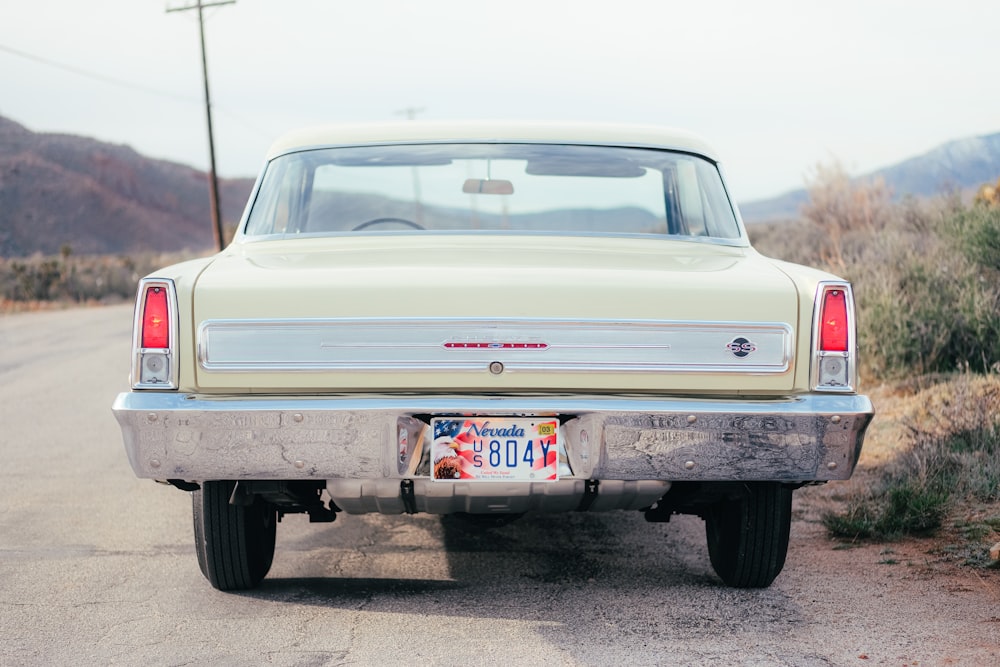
(456, 313)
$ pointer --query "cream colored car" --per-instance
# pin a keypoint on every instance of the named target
(492, 320)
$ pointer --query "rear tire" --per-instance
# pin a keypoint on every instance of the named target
(748, 536)
(235, 543)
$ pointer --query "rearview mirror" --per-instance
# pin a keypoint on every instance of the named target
(480, 186)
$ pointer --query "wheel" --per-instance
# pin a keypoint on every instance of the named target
(386, 221)
(235, 543)
(748, 536)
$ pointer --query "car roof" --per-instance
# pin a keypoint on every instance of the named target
(402, 132)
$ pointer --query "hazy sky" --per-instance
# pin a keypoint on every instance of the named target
(775, 85)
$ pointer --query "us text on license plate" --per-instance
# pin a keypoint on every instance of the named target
(495, 449)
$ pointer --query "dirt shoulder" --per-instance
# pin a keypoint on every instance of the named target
(942, 576)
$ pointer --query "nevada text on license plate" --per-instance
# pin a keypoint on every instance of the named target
(508, 449)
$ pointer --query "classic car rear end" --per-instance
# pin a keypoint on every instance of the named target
(492, 320)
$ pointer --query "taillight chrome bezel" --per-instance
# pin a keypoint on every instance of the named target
(834, 370)
(154, 368)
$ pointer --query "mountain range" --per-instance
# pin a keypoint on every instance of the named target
(60, 190)
(961, 165)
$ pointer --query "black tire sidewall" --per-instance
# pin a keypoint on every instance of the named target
(234, 543)
(748, 536)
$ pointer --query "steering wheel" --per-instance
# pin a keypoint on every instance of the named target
(382, 221)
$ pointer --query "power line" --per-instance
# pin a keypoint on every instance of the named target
(94, 75)
(122, 83)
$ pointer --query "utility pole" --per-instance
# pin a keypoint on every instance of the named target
(213, 179)
(410, 112)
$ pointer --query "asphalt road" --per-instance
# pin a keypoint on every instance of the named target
(98, 568)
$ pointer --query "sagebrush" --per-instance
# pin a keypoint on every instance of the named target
(953, 460)
(926, 275)
(70, 278)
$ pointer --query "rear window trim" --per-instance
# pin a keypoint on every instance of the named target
(741, 241)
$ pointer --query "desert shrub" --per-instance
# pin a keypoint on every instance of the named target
(902, 507)
(30, 280)
(989, 194)
(75, 278)
(953, 461)
(927, 281)
(926, 275)
(978, 231)
(791, 241)
(927, 314)
(844, 211)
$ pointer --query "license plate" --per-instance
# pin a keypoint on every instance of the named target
(495, 449)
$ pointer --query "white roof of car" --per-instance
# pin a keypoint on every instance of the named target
(492, 132)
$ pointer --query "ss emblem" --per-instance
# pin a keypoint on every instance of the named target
(741, 347)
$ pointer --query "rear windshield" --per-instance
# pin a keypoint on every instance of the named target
(521, 188)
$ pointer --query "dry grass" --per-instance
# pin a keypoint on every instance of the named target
(9, 306)
(52, 282)
(930, 468)
(927, 280)
(929, 406)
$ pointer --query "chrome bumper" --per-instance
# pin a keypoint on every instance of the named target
(200, 437)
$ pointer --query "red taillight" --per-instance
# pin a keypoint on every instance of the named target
(833, 324)
(156, 319)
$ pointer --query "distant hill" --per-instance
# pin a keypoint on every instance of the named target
(58, 189)
(100, 198)
(962, 165)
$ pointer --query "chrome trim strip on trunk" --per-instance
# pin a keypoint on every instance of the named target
(444, 344)
(814, 437)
